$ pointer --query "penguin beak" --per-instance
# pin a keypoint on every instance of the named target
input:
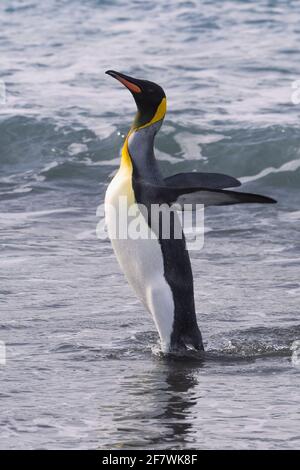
(128, 82)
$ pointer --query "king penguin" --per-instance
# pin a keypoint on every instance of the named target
(157, 267)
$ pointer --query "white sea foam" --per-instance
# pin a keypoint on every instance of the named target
(76, 148)
(292, 165)
(8, 217)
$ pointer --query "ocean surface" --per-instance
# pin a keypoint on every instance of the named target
(82, 366)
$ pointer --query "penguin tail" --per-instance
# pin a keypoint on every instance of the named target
(193, 339)
(190, 338)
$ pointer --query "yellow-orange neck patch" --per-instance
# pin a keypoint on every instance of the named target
(159, 115)
(126, 162)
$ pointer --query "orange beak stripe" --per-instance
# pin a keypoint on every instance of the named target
(129, 85)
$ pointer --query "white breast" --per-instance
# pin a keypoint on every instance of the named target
(140, 259)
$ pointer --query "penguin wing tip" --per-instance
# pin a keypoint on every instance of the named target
(268, 200)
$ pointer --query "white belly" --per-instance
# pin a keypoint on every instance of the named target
(140, 259)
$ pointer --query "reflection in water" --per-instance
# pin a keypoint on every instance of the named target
(154, 408)
(181, 398)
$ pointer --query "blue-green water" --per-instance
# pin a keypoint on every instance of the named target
(81, 371)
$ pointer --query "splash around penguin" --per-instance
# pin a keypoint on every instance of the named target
(159, 269)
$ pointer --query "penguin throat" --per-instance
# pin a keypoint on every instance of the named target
(141, 150)
(148, 117)
(142, 118)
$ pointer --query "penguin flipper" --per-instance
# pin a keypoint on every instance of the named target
(192, 196)
(206, 180)
(220, 197)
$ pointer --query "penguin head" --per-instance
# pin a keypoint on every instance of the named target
(150, 99)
